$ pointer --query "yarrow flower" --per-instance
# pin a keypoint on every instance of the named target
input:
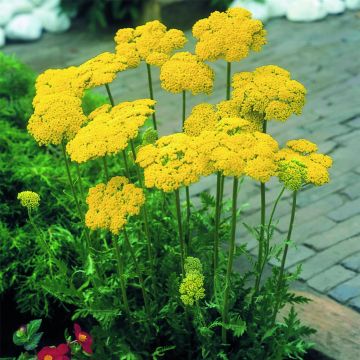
(192, 286)
(110, 204)
(151, 43)
(54, 353)
(185, 72)
(56, 118)
(269, 93)
(83, 338)
(110, 130)
(304, 152)
(292, 174)
(173, 161)
(229, 35)
(29, 199)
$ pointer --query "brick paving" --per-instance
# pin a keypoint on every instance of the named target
(325, 57)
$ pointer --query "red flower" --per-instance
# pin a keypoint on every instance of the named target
(54, 353)
(83, 338)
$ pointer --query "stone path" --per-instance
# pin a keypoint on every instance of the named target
(325, 57)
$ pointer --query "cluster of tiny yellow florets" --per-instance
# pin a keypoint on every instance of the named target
(173, 161)
(29, 199)
(304, 152)
(110, 204)
(292, 174)
(151, 43)
(229, 35)
(110, 130)
(268, 92)
(192, 286)
(185, 72)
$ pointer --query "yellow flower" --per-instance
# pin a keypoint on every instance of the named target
(110, 130)
(111, 204)
(29, 199)
(151, 43)
(304, 151)
(292, 174)
(229, 35)
(173, 161)
(268, 93)
(185, 72)
(56, 118)
(192, 264)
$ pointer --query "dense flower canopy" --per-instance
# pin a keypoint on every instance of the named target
(29, 199)
(185, 72)
(151, 43)
(110, 204)
(110, 130)
(56, 118)
(304, 152)
(173, 161)
(268, 92)
(229, 35)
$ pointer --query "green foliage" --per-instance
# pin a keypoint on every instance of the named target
(16, 90)
(27, 336)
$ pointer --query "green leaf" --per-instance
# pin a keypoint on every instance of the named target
(33, 326)
(34, 341)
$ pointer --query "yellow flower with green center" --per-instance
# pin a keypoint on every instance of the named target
(29, 199)
(292, 174)
(229, 35)
(112, 203)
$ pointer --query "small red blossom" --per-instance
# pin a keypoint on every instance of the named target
(54, 353)
(83, 338)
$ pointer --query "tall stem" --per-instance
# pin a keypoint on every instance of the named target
(283, 260)
(120, 269)
(106, 171)
(216, 231)
(180, 229)
(127, 171)
(138, 273)
(228, 80)
(81, 186)
(148, 67)
(109, 94)
(225, 317)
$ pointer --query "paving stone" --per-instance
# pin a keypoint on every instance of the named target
(355, 303)
(330, 278)
(354, 123)
(346, 211)
(295, 255)
(342, 231)
(347, 290)
(352, 191)
(328, 258)
(352, 262)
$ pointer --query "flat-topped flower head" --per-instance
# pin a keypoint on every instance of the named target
(292, 173)
(192, 264)
(111, 204)
(229, 35)
(151, 43)
(304, 152)
(29, 199)
(56, 118)
(110, 130)
(185, 72)
(101, 69)
(173, 161)
(268, 93)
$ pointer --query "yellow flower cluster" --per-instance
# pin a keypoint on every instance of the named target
(268, 92)
(110, 130)
(192, 286)
(304, 151)
(229, 35)
(110, 204)
(151, 43)
(56, 118)
(29, 199)
(185, 72)
(173, 161)
(292, 174)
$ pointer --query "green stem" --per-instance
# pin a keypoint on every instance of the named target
(109, 95)
(82, 193)
(228, 80)
(120, 269)
(283, 260)
(127, 171)
(183, 107)
(138, 273)
(148, 67)
(106, 171)
(225, 317)
(217, 222)
(188, 214)
(180, 229)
